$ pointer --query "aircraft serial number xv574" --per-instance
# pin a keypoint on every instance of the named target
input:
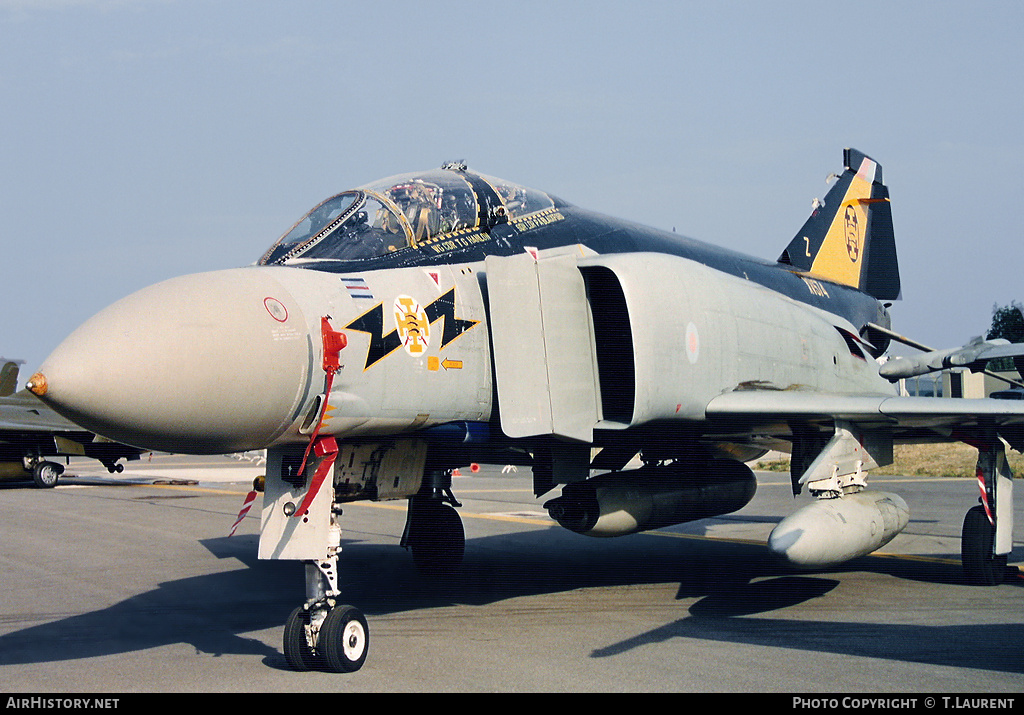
(429, 320)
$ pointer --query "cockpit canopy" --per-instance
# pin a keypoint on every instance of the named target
(401, 212)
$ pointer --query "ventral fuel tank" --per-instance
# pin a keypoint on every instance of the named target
(831, 531)
(652, 497)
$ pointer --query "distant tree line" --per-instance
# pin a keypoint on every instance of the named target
(1007, 323)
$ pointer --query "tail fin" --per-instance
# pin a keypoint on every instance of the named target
(8, 376)
(849, 238)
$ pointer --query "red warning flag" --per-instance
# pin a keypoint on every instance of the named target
(249, 499)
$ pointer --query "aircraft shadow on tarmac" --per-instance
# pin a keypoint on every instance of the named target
(723, 617)
(211, 612)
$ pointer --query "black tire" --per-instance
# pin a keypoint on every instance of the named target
(981, 567)
(344, 640)
(46, 474)
(296, 649)
(436, 537)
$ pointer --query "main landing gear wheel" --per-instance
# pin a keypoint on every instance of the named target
(436, 537)
(46, 474)
(981, 566)
(342, 640)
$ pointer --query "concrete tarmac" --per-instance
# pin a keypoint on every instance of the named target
(129, 583)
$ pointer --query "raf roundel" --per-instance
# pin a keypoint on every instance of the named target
(692, 343)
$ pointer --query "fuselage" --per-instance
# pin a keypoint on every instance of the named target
(232, 360)
(567, 225)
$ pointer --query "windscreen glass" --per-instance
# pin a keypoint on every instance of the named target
(351, 225)
(371, 229)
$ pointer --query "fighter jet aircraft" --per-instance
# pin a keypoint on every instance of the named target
(429, 320)
(31, 434)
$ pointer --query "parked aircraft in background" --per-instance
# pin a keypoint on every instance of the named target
(430, 320)
(32, 434)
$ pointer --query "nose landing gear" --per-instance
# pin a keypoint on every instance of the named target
(322, 634)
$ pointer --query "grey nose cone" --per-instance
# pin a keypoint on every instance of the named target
(204, 363)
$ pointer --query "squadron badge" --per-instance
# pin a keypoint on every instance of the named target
(412, 324)
(852, 233)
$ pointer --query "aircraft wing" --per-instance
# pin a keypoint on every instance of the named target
(24, 412)
(905, 418)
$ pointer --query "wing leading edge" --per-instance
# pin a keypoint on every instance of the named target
(906, 417)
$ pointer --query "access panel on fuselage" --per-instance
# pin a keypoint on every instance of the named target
(543, 347)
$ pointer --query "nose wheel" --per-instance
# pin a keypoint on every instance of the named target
(344, 639)
(335, 639)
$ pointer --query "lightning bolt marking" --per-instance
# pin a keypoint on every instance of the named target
(381, 345)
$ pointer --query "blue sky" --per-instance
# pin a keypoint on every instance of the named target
(143, 139)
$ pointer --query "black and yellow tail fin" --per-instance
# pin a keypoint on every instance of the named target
(848, 239)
